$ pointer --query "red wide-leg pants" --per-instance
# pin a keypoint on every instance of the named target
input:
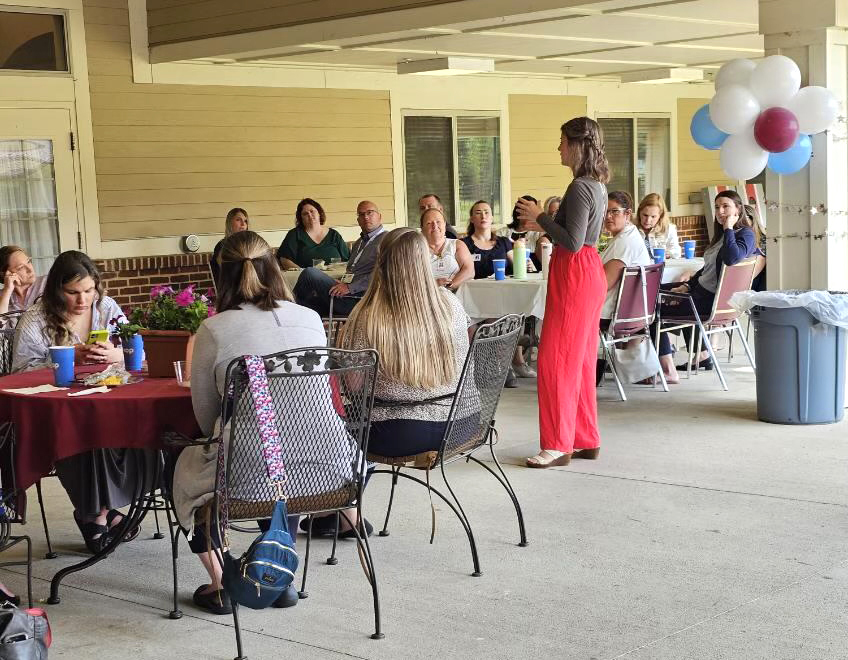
(568, 414)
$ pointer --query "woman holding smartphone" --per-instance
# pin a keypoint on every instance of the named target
(73, 308)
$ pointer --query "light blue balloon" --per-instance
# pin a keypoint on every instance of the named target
(794, 158)
(704, 131)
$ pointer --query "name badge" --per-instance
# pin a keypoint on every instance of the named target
(476, 257)
(347, 278)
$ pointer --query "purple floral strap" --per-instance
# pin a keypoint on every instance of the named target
(265, 417)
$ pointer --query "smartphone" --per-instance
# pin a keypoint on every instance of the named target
(97, 336)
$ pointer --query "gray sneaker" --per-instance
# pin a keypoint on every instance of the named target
(511, 380)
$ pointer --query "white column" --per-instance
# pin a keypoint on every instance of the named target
(805, 249)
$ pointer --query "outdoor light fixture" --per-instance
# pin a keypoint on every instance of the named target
(658, 76)
(447, 66)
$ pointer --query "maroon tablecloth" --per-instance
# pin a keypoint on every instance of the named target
(52, 426)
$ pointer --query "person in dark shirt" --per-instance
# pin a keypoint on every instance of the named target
(483, 244)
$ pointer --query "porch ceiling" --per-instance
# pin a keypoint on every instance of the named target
(594, 40)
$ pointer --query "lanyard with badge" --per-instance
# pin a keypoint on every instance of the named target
(347, 278)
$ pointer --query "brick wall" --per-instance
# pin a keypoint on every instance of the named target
(692, 227)
(129, 280)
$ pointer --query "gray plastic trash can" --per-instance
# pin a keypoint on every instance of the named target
(800, 367)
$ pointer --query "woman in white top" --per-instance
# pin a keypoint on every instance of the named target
(97, 482)
(256, 316)
(21, 286)
(626, 247)
(450, 259)
(658, 232)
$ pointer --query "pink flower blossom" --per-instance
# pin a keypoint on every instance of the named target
(210, 311)
(185, 297)
(160, 290)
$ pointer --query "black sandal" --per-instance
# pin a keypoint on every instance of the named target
(94, 535)
(130, 535)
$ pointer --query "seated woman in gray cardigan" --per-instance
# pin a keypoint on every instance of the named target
(256, 316)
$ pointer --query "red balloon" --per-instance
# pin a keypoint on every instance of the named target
(776, 129)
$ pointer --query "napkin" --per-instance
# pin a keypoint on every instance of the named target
(36, 389)
(90, 390)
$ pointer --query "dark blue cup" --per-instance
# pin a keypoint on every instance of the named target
(133, 353)
(500, 268)
(62, 361)
(659, 255)
(689, 249)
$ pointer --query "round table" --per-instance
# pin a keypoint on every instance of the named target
(50, 426)
(336, 272)
(490, 298)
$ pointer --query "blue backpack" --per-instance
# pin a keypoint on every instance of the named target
(266, 569)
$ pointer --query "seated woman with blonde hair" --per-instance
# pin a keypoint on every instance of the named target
(450, 259)
(655, 226)
(422, 349)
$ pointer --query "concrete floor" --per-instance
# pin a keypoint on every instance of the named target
(700, 533)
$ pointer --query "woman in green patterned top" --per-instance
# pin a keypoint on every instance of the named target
(310, 239)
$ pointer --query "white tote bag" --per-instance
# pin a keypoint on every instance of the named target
(636, 361)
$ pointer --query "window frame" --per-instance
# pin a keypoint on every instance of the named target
(453, 115)
(672, 178)
(44, 11)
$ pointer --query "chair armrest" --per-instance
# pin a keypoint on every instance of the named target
(176, 440)
(669, 294)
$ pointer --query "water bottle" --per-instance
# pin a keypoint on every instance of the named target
(519, 260)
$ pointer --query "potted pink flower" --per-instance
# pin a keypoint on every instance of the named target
(168, 324)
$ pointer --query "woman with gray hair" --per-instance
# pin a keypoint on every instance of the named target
(236, 220)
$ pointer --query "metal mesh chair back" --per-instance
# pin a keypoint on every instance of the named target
(12, 501)
(480, 384)
(637, 299)
(322, 400)
(332, 328)
(735, 278)
(7, 338)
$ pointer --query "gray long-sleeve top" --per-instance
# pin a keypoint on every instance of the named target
(580, 217)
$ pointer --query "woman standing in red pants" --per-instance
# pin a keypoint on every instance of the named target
(568, 417)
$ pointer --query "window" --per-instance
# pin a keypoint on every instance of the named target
(456, 157)
(639, 153)
(32, 42)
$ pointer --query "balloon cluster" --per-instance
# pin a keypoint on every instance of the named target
(760, 116)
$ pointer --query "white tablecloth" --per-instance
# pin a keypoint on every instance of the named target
(290, 276)
(484, 299)
(676, 268)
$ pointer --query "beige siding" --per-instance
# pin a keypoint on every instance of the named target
(696, 167)
(173, 21)
(173, 159)
(534, 130)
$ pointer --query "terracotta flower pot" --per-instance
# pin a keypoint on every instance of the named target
(164, 347)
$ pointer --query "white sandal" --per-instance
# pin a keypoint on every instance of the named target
(546, 459)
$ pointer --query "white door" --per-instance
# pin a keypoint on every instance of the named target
(38, 206)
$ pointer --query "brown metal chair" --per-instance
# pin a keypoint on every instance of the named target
(635, 310)
(722, 318)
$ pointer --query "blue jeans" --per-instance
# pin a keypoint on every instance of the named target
(313, 290)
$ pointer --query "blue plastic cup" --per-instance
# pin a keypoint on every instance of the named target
(133, 353)
(62, 361)
(689, 249)
(500, 268)
(659, 255)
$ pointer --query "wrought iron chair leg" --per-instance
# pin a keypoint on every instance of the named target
(158, 535)
(474, 557)
(239, 649)
(395, 473)
(303, 593)
(504, 481)
(28, 541)
(368, 567)
(332, 560)
(175, 613)
(457, 512)
(50, 554)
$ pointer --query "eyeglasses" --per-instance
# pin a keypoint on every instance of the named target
(617, 211)
(365, 214)
(23, 266)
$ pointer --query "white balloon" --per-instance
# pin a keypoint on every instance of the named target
(734, 72)
(816, 109)
(733, 109)
(775, 80)
(741, 157)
